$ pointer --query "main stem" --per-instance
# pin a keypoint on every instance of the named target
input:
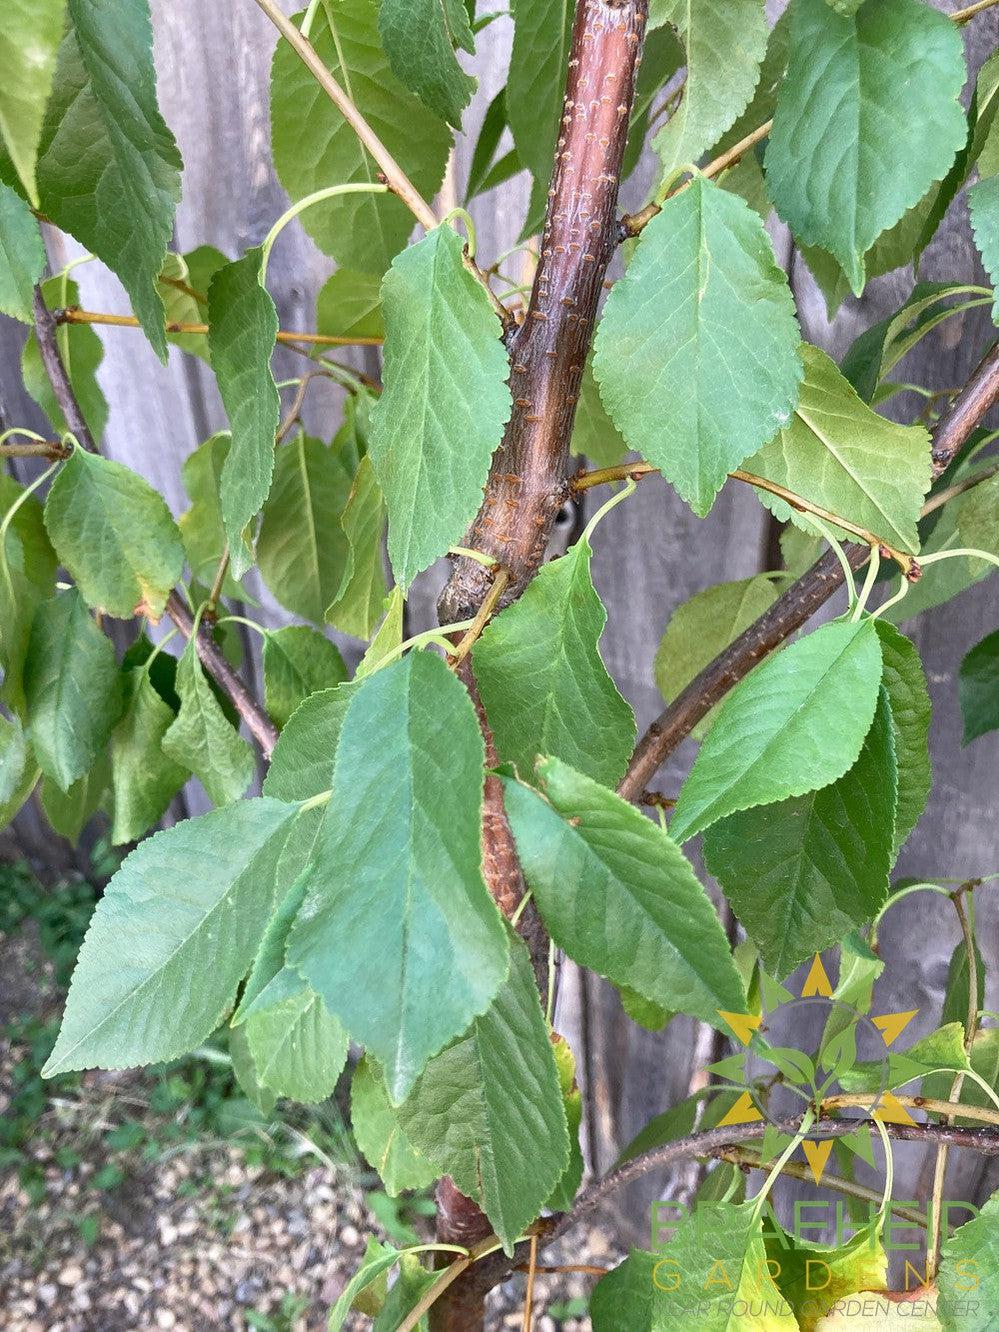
(527, 481)
(526, 485)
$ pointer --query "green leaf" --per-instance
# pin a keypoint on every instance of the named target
(115, 535)
(302, 550)
(876, 351)
(969, 1268)
(419, 37)
(388, 637)
(378, 1259)
(562, 1198)
(261, 1098)
(29, 45)
(847, 154)
(969, 520)
(10, 807)
(619, 896)
(697, 351)
(802, 873)
(349, 305)
(893, 248)
(31, 550)
(72, 688)
(313, 144)
(662, 56)
(725, 41)
(983, 204)
(303, 758)
(978, 688)
(201, 527)
(398, 932)
(676, 1122)
(68, 812)
(201, 739)
(13, 758)
(816, 1279)
(594, 434)
(703, 627)
(298, 1049)
(794, 724)
(298, 661)
(359, 601)
(145, 778)
(194, 271)
(242, 328)
(643, 1011)
(712, 1266)
(22, 254)
(941, 1049)
(82, 353)
(956, 992)
(381, 1137)
(536, 83)
(909, 701)
(488, 1110)
(444, 404)
(844, 457)
(27, 576)
(108, 166)
(484, 152)
(409, 1287)
(167, 947)
(543, 682)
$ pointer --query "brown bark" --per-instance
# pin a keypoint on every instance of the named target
(798, 604)
(527, 484)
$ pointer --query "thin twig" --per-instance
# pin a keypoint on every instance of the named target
(51, 449)
(495, 1267)
(396, 179)
(940, 1163)
(212, 658)
(532, 1267)
(633, 223)
(983, 1113)
(635, 471)
(796, 1170)
(73, 315)
(483, 615)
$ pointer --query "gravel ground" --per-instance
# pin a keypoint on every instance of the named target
(195, 1238)
(165, 1259)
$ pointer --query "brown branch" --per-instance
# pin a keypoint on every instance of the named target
(495, 1267)
(211, 656)
(257, 722)
(797, 604)
(74, 315)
